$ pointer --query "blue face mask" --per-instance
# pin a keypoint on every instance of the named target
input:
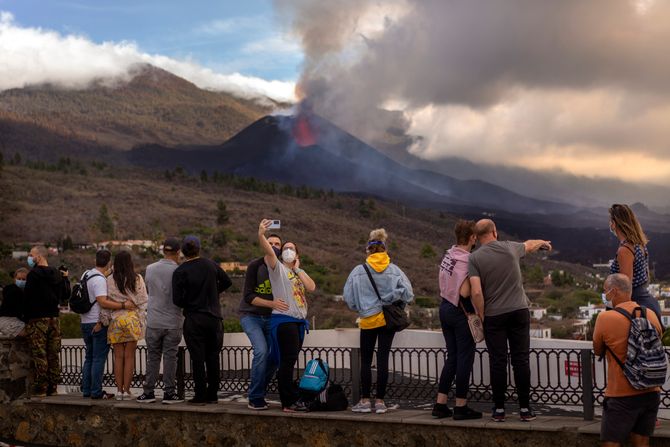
(21, 283)
(277, 251)
(606, 302)
(613, 231)
(31, 262)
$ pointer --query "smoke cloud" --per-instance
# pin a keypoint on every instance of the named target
(32, 56)
(580, 86)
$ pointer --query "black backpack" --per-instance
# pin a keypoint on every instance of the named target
(79, 301)
(330, 399)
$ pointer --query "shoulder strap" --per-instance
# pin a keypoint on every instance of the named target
(616, 359)
(625, 313)
(626, 244)
(323, 368)
(372, 281)
(88, 276)
(460, 303)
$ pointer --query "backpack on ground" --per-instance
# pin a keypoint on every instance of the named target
(645, 365)
(79, 301)
(330, 399)
(315, 377)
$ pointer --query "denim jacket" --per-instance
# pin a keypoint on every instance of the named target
(392, 283)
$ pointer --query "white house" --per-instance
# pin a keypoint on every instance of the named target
(665, 318)
(537, 313)
(19, 254)
(587, 312)
(539, 331)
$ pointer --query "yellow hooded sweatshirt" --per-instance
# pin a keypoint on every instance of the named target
(379, 262)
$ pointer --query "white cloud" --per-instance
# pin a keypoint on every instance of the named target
(276, 44)
(36, 56)
(232, 25)
(601, 132)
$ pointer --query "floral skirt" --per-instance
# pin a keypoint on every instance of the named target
(124, 327)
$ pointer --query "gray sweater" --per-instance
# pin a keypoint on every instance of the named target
(161, 311)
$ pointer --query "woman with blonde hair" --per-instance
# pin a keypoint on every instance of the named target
(125, 326)
(360, 295)
(632, 257)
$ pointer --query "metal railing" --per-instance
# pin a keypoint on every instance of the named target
(563, 377)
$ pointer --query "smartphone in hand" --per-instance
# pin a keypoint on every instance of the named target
(275, 225)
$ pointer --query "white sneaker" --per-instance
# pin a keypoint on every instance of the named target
(362, 407)
(129, 396)
(119, 396)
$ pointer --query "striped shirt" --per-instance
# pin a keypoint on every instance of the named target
(640, 265)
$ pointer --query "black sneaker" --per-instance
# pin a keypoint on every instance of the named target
(441, 411)
(146, 398)
(171, 398)
(298, 407)
(465, 412)
(258, 405)
(498, 415)
(527, 415)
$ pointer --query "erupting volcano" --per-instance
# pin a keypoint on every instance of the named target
(307, 149)
(303, 131)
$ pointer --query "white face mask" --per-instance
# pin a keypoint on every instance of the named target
(606, 302)
(288, 255)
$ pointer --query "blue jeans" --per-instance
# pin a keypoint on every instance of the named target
(257, 328)
(97, 349)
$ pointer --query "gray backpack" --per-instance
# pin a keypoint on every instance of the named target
(645, 365)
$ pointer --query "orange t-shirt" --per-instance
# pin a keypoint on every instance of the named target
(612, 329)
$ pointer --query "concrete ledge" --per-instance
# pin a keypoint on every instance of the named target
(74, 421)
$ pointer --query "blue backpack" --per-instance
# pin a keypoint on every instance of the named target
(315, 377)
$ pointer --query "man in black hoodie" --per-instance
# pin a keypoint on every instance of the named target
(196, 285)
(45, 289)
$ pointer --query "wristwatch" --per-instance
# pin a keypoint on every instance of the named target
(297, 271)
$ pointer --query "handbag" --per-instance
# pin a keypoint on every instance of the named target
(394, 313)
(474, 323)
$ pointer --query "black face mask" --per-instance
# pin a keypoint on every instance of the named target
(277, 251)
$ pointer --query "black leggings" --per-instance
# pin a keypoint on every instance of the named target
(288, 338)
(368, 341)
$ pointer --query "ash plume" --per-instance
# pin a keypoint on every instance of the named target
(534, 84)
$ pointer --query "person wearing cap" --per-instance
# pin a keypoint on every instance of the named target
(164, 326)
(196, 285)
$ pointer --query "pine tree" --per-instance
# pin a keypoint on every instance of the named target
(222, 215)
(105, 223)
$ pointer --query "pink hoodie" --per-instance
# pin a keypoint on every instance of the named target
(453, 271)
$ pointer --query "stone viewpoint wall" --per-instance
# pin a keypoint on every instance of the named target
(15, 369)
(116, 425)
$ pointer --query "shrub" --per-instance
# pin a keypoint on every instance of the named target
(231, 325)
(427, 251)
(425, 301)
(70, 326)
